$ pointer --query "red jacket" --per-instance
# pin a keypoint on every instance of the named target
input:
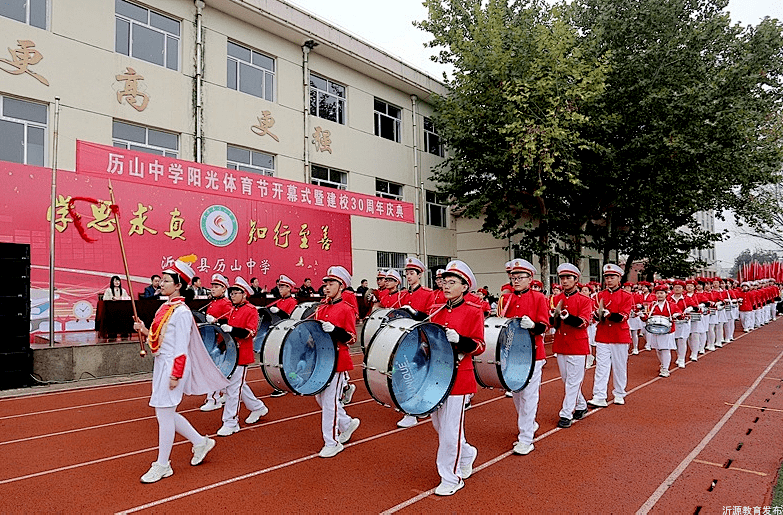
(244, 316)
(618, 301)
(340, 314)
(569, 339)
(465, 318)
(533, 304)
(393, 300)
(220, 308)
(287, 304)
(420, 299)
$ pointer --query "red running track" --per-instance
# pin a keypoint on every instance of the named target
(707, 437)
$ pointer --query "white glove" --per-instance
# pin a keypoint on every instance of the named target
(274, 309)
(605, 313)
(526, 323)
(211, 319)
(689, 309)
(409, 309)
(328, 327)
(564, 314)
(226, 328)
(451, 335)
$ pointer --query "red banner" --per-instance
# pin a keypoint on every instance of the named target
(151, 170)
(245, 237)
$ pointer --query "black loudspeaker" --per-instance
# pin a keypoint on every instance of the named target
(16, 359)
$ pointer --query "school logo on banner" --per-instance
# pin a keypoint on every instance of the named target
(219, 225)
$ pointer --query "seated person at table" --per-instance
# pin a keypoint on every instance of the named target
(306, 290)
(115, 291)
(153, 290)
(198, 290)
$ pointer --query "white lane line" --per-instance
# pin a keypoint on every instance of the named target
(74, 407)
(669, 481)
(75, 389)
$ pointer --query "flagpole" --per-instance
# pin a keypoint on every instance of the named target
(115, 210)
(53, 206)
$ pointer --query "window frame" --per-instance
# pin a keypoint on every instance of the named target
(430, 133)
(250, 167)
(330, 182)
(267, 92)
(146, 146)
(342, 104)
(433, 264)
(28, 14)
(434, 204)
(27, 125)
(388, 194)
(395, 260)
(118, 17)
(378, 116)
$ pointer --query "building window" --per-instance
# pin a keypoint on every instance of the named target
(431, 139)
(433, 264)
(387, 120)
(392, 260)
(146, 35)
(386, 189)
(144, 139)
(250, 161)
(595, 270)
(22, 131)
(31, 12)
(436, 210)
(250, 72)
(327, 99)
(329, 178)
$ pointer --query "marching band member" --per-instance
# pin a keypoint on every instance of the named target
(682, 326)
(698, 336)
(719, 297)
(241, 323)
(662, 343)
(746, 307)
(393, 297)
(612, 338)
(731, 314)
(571, 344)
(635, 323)
(508, 287)
(439, 297)
(531, 307)
(710, 299)
(182, 366)
(585, 290)
(648, 298)
(338, 321)
(381, 290)
(482, 295)
(417, 301)
(537, 285)
(218, 307)
(283, 307)
(464, 326)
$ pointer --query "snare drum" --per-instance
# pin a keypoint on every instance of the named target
(695, 317)
(298, 356)
(658, 324)
(410, 366)
(221, 347)
(378, 318)
(304, 310)
(266, 319)
(509, 358)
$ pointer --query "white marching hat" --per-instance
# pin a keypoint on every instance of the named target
(521, 265)
(284, 279)
(393, 274)
(461, 270)
(568, 269)
(439, 273)
(240, 283)
(413, 263)
(508, 266)
(338, 273)
(182, 269)
(611, 268)
(219, 279)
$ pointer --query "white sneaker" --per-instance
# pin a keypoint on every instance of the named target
(467, 469)
(210, 405)
(346, 435)
(509, 394)
(407, 421)
(598, 402)
(520, 448)
(647, 347)
(448, 489)
(589, 361)
(200, 451)
(157, 472)
(222, 399)
(664, 372)
(255, 415)
(330, 451)
(227, 430)
(694, 357)
(635, 352)
(718, 344)
(619, 400)
(348, 394)
(680, 363)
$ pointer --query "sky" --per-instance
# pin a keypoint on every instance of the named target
(389, 26)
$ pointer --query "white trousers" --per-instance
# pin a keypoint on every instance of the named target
(748, 319)
(237, 388)
(682, 348)
(610, 358)
(728, 330)
(759, 317)
(665, 357)
(453, 450)
(572, 372)
(334, 419)
(694, 345)
(170, 422)
(526, 402)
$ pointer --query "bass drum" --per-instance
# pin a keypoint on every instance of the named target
(297, 356)
(304, 311)
(221, 347)
(266, 319)
(509, 358)
(410, 366)
(200, 317)
(378, 318)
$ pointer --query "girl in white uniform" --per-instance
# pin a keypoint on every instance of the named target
(663, 344)
(182, 366)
